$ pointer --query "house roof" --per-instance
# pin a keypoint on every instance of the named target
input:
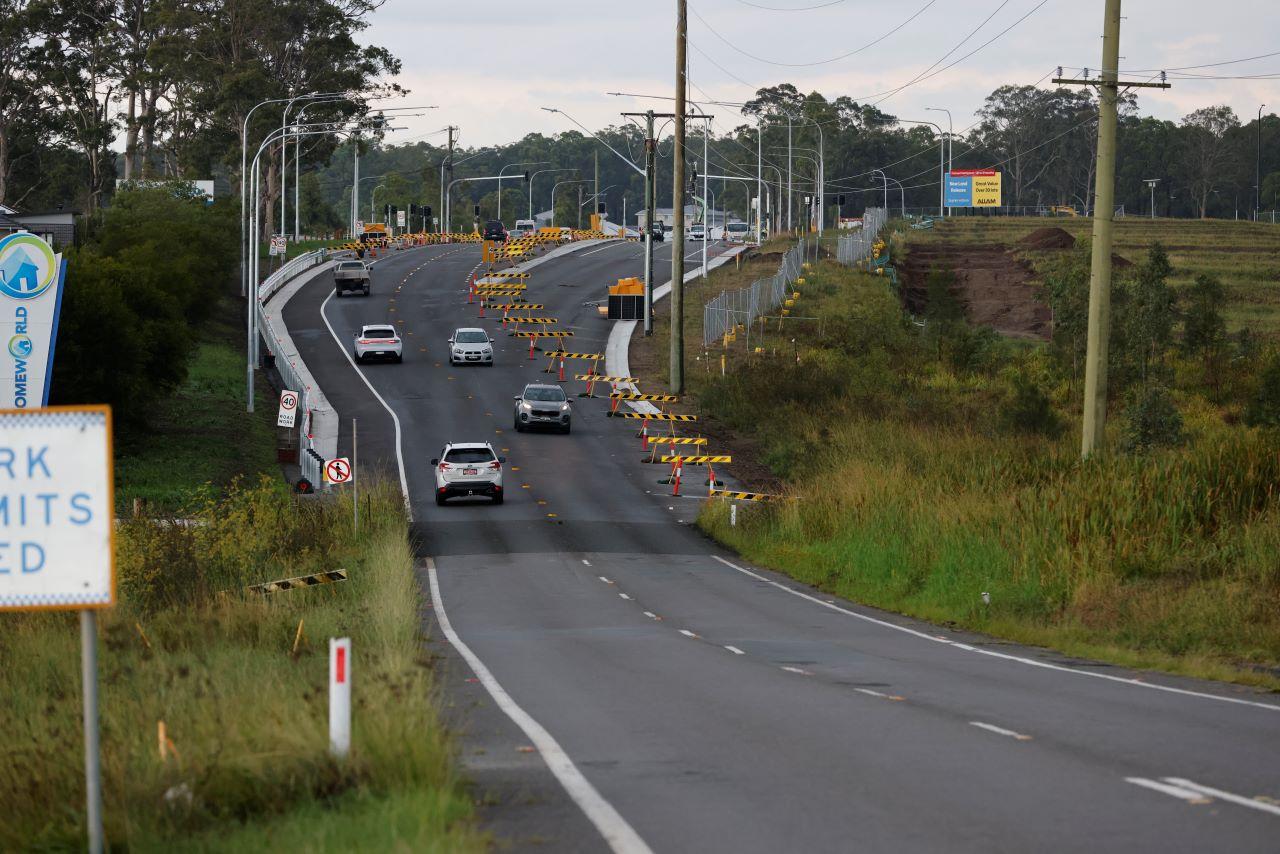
(9, 224)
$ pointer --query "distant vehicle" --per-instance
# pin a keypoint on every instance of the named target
(494, 230)
(543, 405)
(468, 469)
(470, 346)
(658, 231)
(378, 341)
(566, 233)
(737, 232)
(350, 276)
(525, 227)
(697, 232)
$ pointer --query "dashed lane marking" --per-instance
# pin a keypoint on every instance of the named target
(1164, 788)
(734, 650)
(605, 580)
(880, 694)
(799, 670)
(651, 615)
(999, 730)
(624, 596)
(687, 633)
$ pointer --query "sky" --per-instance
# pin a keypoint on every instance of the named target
(490, 67)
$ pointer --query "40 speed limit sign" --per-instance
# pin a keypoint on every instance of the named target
(338, 470)
(288, 414)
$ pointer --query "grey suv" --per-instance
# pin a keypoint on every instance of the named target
(541, 405)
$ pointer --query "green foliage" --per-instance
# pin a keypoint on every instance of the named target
(1142, 322)
(1151, 420)
(1204, 331)
(1264, 404)
(136, 292)
(1029, 411)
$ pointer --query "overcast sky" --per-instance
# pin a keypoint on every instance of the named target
(491, 65)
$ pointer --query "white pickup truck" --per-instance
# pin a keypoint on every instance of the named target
(350, 276)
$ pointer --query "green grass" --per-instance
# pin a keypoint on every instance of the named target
(908, 491)
(1244, 255)
(201, 433)
(247, 716)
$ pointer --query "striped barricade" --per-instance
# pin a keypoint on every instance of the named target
(330, 577)
(592, 379)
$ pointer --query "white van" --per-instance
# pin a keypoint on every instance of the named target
(737, 232)
(524, 227)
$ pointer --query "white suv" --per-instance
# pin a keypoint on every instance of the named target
(378, 341)
(470, 346)
(468, 468)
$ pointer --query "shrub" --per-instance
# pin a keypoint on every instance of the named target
(1264, 406)
(1028, 410)
(1151, 421)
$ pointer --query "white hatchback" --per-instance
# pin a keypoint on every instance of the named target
(378, 341)
(468, 469)
(470, 346)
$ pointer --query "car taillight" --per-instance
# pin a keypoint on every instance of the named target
(444, 467)
(495, 465)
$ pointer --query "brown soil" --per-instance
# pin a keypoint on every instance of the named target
(1049, 238)
(997, 288)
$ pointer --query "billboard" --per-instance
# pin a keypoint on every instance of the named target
(31, 276)
(973, 188)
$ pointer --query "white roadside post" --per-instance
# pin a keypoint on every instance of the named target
(59, 555)
(339, 697)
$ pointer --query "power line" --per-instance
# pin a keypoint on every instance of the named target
(795, 9)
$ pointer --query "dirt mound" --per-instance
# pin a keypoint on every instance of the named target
(1048, 238)
(998, 289)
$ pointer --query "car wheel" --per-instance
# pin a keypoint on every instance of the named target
(518, 426)
(565, 429)
(365, 291)
(399, 358)
(337, 293)
(439, 500)
(497, 499)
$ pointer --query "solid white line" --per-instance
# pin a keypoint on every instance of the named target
(619, 835)
(1225, 796)
(734, 650)
(1163, 788)
(687, 633)
(999, 730)
(1019, 659)
(602, 248)
(404, 481)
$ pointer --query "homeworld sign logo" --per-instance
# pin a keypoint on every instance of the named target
(30, 279)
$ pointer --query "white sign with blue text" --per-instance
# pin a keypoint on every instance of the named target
(31, 277)
(56, 509)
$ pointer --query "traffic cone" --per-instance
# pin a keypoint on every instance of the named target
(532, 341)
(562, 368)
(482, 299)
(675, 478)
(644, 435)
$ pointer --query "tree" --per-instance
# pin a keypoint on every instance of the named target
(1205, 158)
(1204, 331)
(1144, 316)
(23, 70)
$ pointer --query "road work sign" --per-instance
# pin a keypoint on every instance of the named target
(288, 413)
(338, 470)
(31, 278)
(973, 188)
(56, 509)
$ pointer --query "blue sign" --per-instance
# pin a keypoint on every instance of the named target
(959, 191)
(31, 279)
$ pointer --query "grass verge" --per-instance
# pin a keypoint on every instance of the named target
(920, 477)
(201, 435)
(246, 712)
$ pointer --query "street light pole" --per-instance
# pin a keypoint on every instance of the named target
(950, 135)
(554, 187)
(535, 175)
(502, 172)
(1257, 203)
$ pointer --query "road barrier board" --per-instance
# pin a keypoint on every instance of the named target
(635, 395)
(677, 440)
(740, 496)
(697, 460)
(652, 416)
(329, 577)
(600, 378)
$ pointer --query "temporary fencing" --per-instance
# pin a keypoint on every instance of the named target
(732, 309)
(852, 249)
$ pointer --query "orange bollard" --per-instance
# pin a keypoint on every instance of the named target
(675, 478)
(532, 340)
(561, 368)
(644, 435)
(482, 299)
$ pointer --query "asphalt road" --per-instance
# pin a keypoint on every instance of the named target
(620, 681)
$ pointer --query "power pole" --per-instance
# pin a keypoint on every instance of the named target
(448, 165)
(595, 193)
(650, 208)
(1095, 368)
(676, 382)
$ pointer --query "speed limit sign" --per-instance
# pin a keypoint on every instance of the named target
(338, 470)
(288, 414)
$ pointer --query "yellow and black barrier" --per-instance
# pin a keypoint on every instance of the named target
(601, 378)
(330, 577)
(555, 333)
(635, 395)
(740, 496)
(518, 306)
(588, 356)
(533, 319)
(652, 416)
(677, 440)
(697, 460)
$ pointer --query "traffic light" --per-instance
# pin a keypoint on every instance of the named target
(476, 212)
(601, 208)
(840, 200)
(426, 211)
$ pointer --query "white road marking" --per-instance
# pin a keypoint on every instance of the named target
(586, 562)
(624, 596)
(687, 633)
(603, 248)
(404, 481)
(991, 653)
(871, 693)
(651, 615)
(1225, 796)
(999, 730)
(734, 650)
(796, 670)
(617, 833)
(605, 580)
(1164, 788)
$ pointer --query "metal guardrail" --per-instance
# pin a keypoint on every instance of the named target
(741, 307)
(309, 462)
(854, 248)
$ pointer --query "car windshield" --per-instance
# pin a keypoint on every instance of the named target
(380, 332)
(550, 394)
(469, 455)
(351, 265)
(474, 336)
(737, 227)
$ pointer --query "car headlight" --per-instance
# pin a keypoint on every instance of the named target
(526, 406)
(564, 407)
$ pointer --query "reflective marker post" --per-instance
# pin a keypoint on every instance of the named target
(339, 697)
(92, 757)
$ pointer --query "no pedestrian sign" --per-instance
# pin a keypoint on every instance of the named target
(288, 413)
(56, 509)
(338, 470)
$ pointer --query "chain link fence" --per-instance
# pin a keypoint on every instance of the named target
(742, 306)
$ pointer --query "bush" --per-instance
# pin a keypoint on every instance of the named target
(1151, 421)
(1029, 411)
(1264, 405)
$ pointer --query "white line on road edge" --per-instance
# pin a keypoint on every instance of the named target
(999, 730)
(1032, 662)
(1164, 788)
(1225, 796)
(619, 835)
(404, 481)
(734, 650)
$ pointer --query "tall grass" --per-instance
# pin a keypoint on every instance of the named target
(246, 714)
(908, 493)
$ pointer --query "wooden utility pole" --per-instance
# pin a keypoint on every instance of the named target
(650, 194)
(676, 382)
(1095, 367)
